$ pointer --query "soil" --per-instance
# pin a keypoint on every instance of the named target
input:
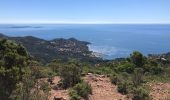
(103, 89)
(160, 91)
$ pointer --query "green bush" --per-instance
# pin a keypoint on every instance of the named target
(137, 58)
(125, 67)
(13, 61)
(122, 81)
(123, 87)
(44, 86)
(114, 78)
(41, 72)
(81, 90)
(156, 70)
(140, 94)
(137, 77)
(70, 74)
(55, 65)
(153, 67)
(73, 95)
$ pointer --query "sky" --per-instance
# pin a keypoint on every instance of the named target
(85, 11)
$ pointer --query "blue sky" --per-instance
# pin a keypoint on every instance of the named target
(84, 11)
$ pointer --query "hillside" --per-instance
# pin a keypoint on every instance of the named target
(134, 78)
(104, 90)
(60, 48)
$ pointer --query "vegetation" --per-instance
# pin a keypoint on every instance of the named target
(13, 61)
(140, 93)
(20, 74)
(17, 78)
(122, 87)
(80, 90)
(70, 74)
(137, 59)
(114, 78)
(136, 68)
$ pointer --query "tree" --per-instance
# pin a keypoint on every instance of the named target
(137, 58)
(13, 60)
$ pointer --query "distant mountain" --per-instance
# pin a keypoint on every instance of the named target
(60, 48)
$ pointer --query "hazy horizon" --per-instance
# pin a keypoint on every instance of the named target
(85, 12)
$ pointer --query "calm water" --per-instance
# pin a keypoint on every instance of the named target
(110, 40)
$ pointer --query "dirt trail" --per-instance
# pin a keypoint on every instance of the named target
(102, 89)
(58, 92)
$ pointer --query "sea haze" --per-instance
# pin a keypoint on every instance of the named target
(112, 40)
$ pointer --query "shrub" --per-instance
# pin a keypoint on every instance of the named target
(153, 67)
(70, 75)
(81, 90)
(126, 67)
(55, 65)
(44, 86)
(122, 87)
(13, 61)
(122, 81)
(137, 58)
(137, 77)
(140, 94)
(41, 72)
(73, 95)
(114, 78)
(156, 70)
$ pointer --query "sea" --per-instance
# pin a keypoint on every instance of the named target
(110, 40)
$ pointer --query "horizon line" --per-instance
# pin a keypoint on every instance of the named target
(86, 23)
(78, 22)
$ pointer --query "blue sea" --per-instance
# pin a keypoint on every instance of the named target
(111, 40)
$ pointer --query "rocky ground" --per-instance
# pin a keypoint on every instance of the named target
(160, 91)
(58, 93)
(102, 89)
